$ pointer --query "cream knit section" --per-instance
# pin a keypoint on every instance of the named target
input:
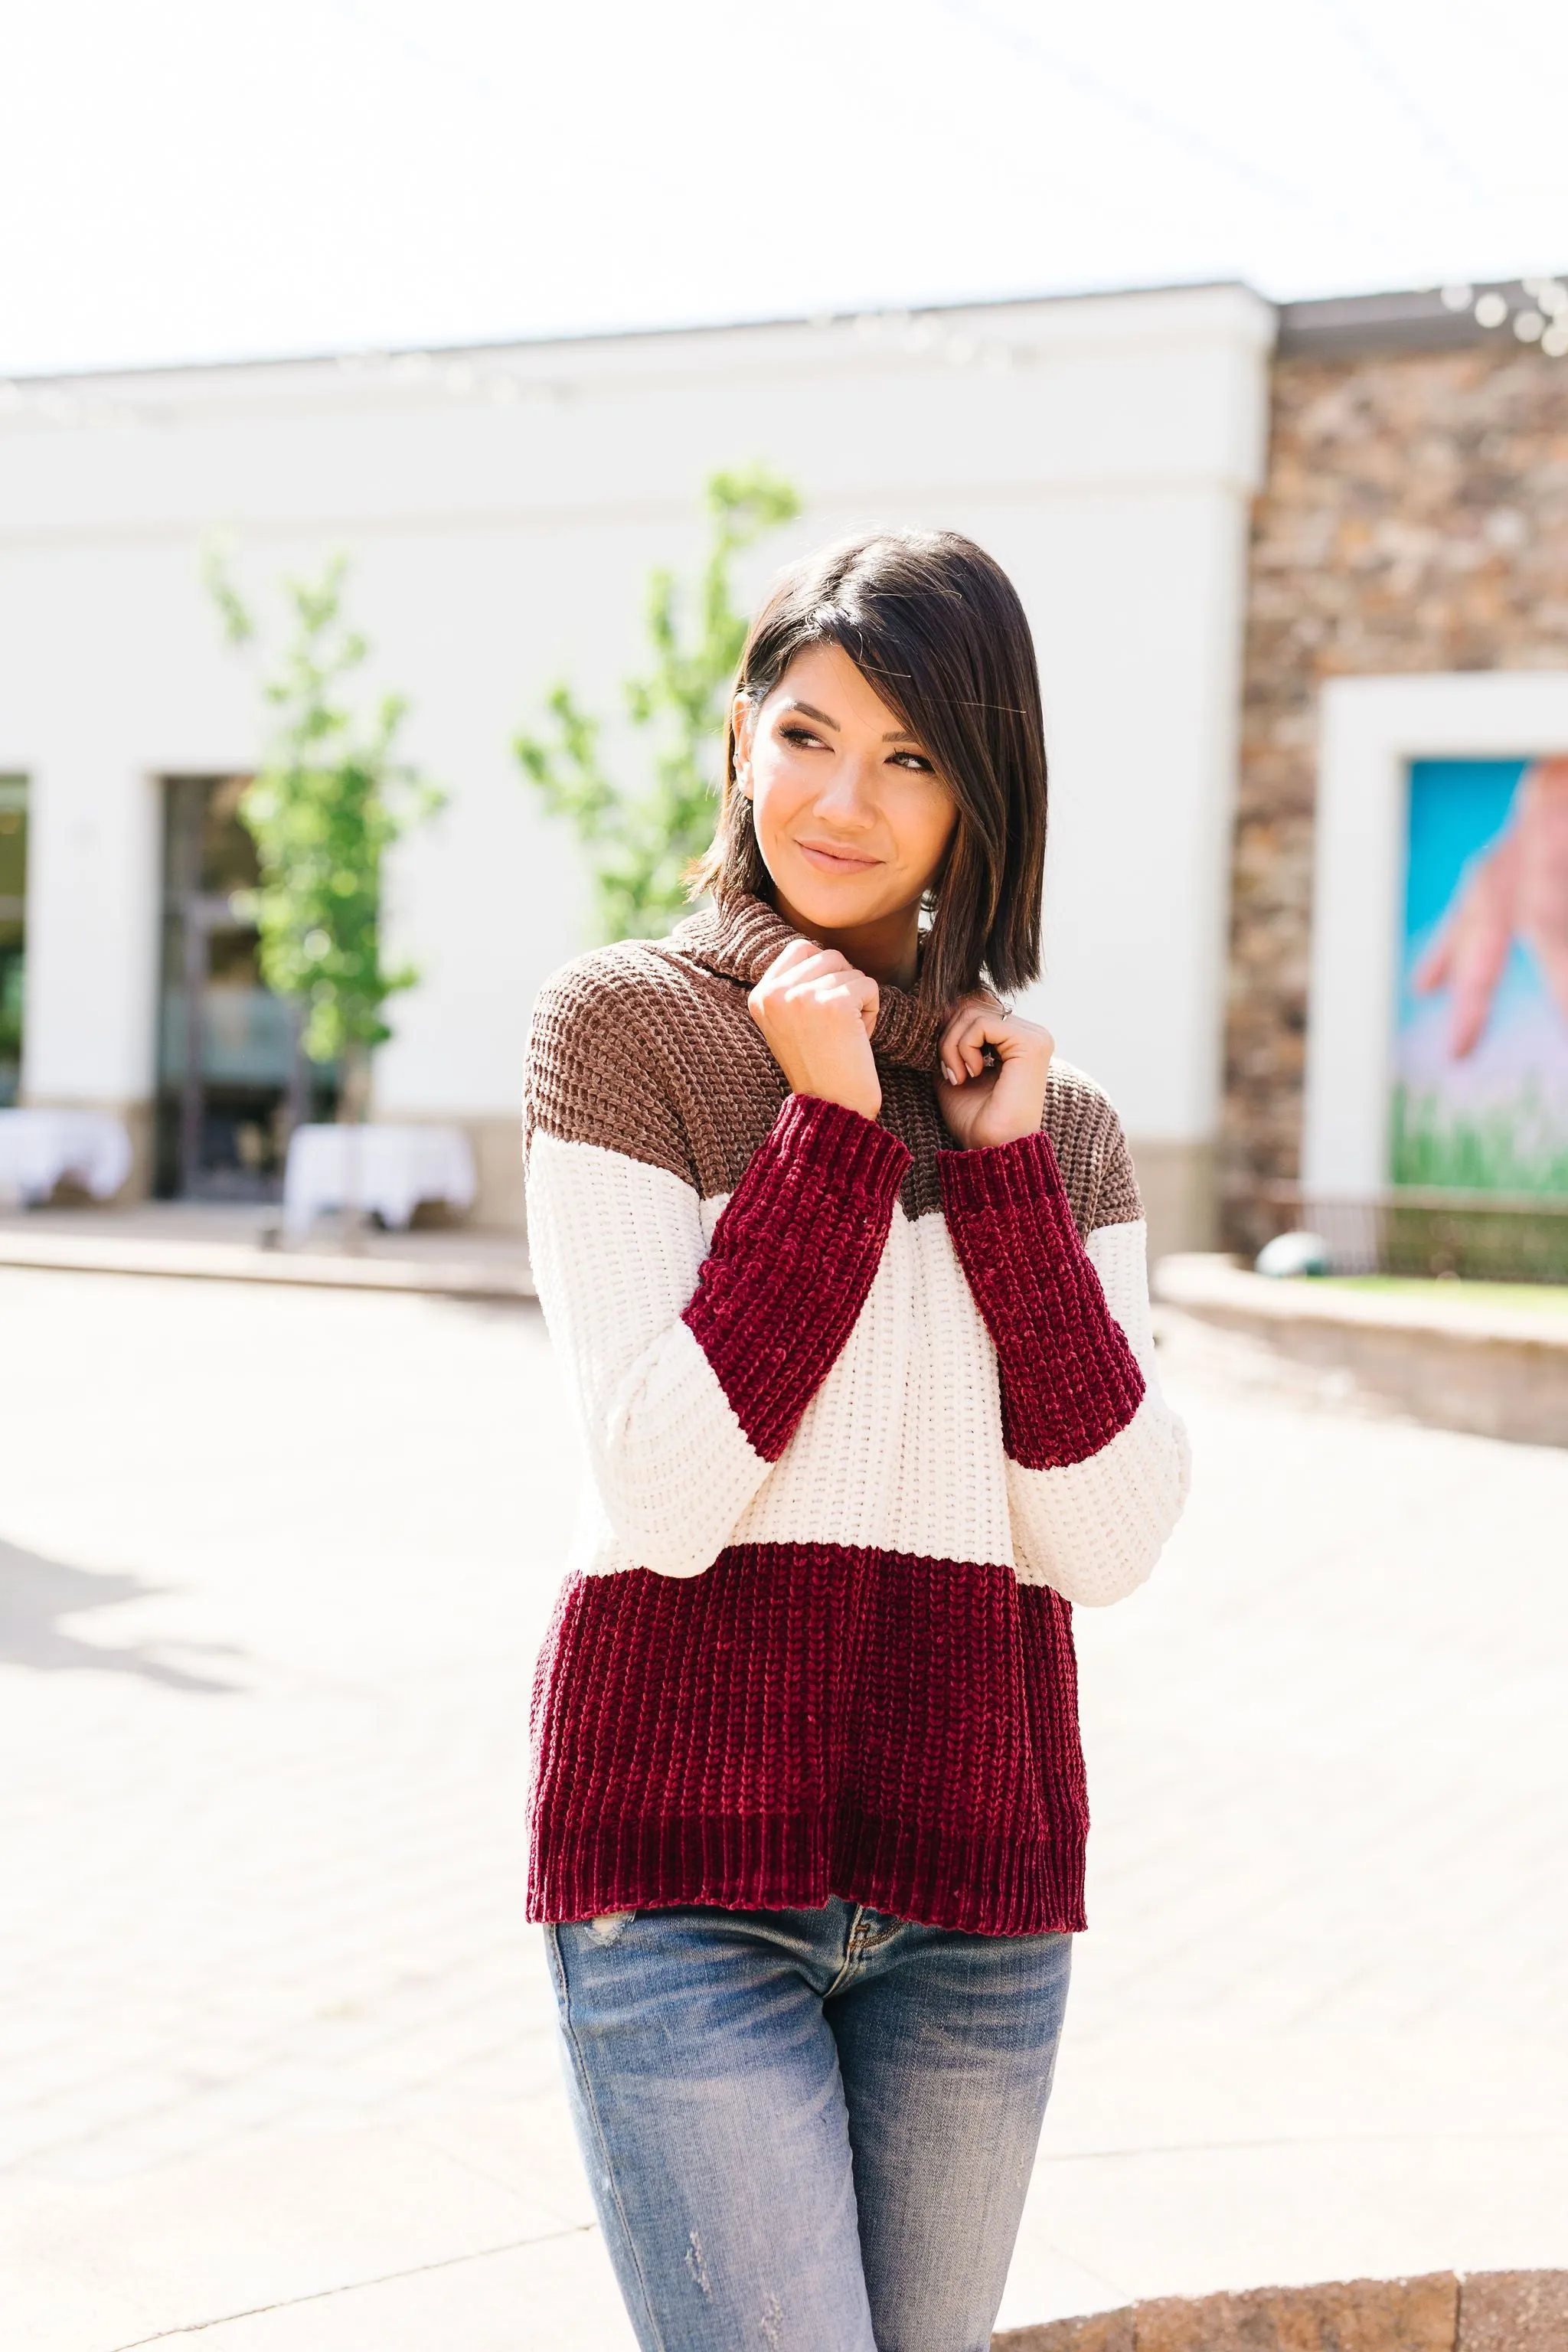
(1120, 1256)
(616, 1248)
(1094, 1530)
(900, 1448)
(899, 1451)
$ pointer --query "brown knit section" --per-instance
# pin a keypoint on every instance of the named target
(658, 1060)
(647, 1048)
(1092, 1151)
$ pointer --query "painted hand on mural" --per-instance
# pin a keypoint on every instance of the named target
(1519, 890)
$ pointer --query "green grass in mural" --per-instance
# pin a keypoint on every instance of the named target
(1517, 1148)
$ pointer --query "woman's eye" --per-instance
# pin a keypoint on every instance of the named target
(916, 760)
(801, 735)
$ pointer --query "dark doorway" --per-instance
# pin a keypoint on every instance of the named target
(232, 1083)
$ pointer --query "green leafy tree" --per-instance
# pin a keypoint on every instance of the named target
(640, 840)
(328, 802)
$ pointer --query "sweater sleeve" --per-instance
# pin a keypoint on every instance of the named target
(1096, 1462)
(692, 1364)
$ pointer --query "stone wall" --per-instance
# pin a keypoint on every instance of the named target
(1415, 518)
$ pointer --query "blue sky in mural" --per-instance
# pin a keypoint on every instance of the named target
(1457, 808)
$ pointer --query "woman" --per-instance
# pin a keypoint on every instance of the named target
(847, 1275)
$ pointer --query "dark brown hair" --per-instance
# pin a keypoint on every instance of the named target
(936, 628)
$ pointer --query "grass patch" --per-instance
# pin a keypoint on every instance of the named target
(1548, 1297)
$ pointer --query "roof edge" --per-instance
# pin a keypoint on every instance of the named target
(1501, 311)
(599, 336)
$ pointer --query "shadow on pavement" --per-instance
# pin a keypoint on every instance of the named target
(36, 1595)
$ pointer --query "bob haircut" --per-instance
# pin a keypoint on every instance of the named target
(935, 627)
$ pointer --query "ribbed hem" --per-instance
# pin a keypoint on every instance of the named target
(1069, 1380)
(979, 1888)
(792, 1257)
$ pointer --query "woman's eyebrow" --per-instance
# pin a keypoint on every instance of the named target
(899, 734)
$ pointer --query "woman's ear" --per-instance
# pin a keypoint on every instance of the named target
(743, 721)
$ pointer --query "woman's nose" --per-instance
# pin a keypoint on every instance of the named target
(847, 793)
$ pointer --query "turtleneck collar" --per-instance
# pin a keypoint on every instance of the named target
(740, 940)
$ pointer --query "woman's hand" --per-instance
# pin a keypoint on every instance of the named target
(991, 1083)
(818, 1014)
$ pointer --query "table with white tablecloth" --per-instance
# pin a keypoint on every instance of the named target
(388, 1169)
(38, 1147)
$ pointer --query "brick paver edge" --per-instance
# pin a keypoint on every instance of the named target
(1485, 2311)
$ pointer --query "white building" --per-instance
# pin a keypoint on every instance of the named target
(501, 509)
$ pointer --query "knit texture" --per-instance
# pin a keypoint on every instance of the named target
(863, 1415)
(805, 1721)
(793, 1255)
(1069, 1380)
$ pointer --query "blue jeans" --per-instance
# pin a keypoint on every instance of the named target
(807, 2131)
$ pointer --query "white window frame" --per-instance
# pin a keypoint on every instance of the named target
(1371, 730)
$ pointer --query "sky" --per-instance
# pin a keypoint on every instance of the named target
(211, 179)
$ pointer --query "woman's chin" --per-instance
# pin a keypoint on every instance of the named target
(831, 901)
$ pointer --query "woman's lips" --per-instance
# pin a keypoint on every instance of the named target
(834, 861)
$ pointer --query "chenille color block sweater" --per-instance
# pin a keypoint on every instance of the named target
(864, 1417)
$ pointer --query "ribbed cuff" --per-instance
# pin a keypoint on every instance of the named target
(852, 1148)
(1005, 1176)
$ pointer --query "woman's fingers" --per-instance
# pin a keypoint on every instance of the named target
(841, 984)
(818, 1013)
(962, 1053)
(801, 964)
(798, 953)
(802, 972)
(868, 996)
(969, 1049)
(982, 1033)
(963, 1036)
(977, 1024)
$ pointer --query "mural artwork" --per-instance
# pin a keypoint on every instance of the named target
(1480, 1095)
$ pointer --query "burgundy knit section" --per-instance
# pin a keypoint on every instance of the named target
(791, 1259)
(805, 1720)
(1069, 1380)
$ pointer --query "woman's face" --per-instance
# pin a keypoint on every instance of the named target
(851, 817)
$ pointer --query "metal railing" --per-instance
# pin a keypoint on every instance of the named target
(1412, 1229)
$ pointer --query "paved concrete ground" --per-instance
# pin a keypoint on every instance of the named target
(276, 2073)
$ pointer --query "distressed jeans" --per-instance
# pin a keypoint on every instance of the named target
(807, 2131)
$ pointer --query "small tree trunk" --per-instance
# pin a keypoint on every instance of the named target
(352, 1087)
(297, 1100)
